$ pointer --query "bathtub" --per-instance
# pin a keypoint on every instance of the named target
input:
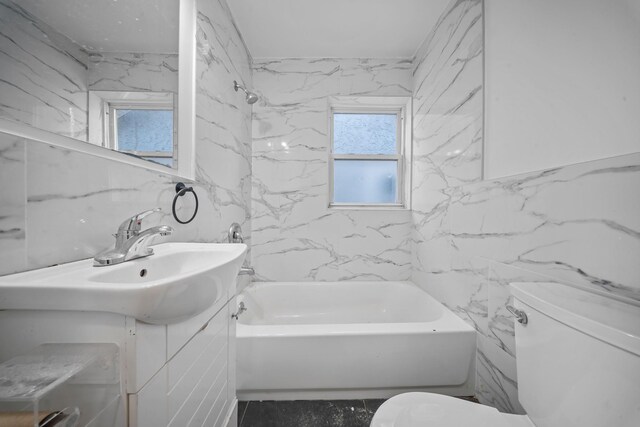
(349, 340)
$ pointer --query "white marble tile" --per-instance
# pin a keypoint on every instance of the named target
(133, 72)
(577, 224)
(471, 238)
(43, 75)
(338, 246)
(462, 289)
(295, 235)
(447, 91)
(13, 243)
(447, 152)
(496, 378)
(223, 119)
(447, 131)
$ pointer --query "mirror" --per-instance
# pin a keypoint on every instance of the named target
(104, 72)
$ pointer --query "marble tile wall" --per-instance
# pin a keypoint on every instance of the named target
(223, 120)
(133, 71)
(295, 236)
(576, 224)
(44, 81)
(448, 145)
(447, 149)
(64, 205)
(13, 206)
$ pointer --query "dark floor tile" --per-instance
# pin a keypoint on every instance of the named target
(372, 405)
(323, 413)
(349, 413)
(304, 413)
(260, 414)
(242, 407)
(309, 413)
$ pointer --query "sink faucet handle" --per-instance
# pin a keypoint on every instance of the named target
(134, 224)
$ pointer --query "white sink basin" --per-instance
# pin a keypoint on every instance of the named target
(179, 281)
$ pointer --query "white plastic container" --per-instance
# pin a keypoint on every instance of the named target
(61, 385)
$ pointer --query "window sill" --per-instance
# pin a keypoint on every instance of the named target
(368, 207)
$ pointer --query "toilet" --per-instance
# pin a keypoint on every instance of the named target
(578, 365)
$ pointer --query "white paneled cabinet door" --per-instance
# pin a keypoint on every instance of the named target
(148, 408)
(192, 389)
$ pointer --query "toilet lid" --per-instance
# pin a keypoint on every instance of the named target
(435, 410)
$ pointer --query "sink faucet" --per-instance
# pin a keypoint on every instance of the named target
(131, 243)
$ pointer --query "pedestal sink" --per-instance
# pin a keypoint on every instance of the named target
(179, 281)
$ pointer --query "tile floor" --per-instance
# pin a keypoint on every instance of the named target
(307, 413)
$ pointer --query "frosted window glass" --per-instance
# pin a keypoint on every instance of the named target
(145, 130)
(364, 133)
(365, 181)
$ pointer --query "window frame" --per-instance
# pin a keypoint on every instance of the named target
(401, 107)
(112, 101)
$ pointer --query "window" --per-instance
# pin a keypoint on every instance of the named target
(367, 160)
(143, 130)
(138, 123)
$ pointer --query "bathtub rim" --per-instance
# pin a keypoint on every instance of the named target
(448, 322)
(349, 329)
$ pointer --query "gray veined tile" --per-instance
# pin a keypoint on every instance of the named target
(133, 72)
(496, 381)
(13, 206)
(47, 66)
(295, 236)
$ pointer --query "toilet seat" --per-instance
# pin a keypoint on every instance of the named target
(435, 410)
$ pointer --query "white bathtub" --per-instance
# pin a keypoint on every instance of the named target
(332, 340)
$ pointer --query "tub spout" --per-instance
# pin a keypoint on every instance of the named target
(249, 271)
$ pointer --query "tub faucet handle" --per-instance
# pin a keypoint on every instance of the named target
(235, 233)
(241, 309)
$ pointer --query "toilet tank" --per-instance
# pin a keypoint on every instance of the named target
(578, 357)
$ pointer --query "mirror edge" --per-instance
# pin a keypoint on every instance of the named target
(186, 112)
(187, 85)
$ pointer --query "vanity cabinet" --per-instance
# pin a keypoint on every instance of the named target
(181, 374)
(196, 384)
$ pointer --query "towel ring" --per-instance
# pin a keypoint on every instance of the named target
(181, 190)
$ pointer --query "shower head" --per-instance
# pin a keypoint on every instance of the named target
(250, 97)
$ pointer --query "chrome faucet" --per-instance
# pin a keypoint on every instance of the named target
(235, 234)
(246, 271)
(131, 243)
